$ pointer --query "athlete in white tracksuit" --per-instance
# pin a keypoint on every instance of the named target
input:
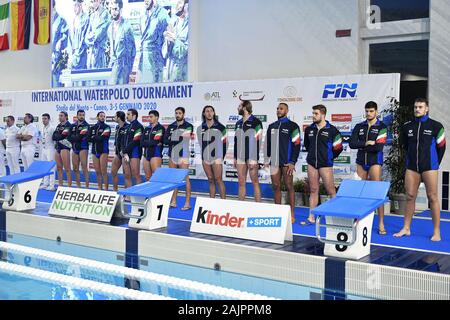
(48, 150)
(2, 153)
(28, 135)
(12, 145)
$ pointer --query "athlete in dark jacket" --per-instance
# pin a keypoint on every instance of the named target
(61, 137)
(80, 148)
(369, 137)
(99, 137)
(323, 142)
(132, 149)
(424, 142)
(213, 140)
(282, 151)
(119, 137)
(152, 142)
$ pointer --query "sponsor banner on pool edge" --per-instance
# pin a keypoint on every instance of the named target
(338, 93)
(84, 204)
(229, 218)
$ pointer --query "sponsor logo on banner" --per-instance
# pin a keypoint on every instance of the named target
(146, 119)
(341, 117)
(250, 95)
(308, 118)
(212, 96)
(341, 91)
(260, 222)
(262, 118)
(231, 174)
(20, 119)
(290, 94)
(341, 170)
(88, 204)
(5, 103)
(231, 126)
(343, 127)
(342, 159)
(109, 119)
(233, 118)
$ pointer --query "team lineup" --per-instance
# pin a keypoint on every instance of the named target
(70, 144)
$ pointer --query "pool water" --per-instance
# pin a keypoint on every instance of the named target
(14, 286)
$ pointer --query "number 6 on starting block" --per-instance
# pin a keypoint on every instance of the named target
(20, 190)
(150, 201)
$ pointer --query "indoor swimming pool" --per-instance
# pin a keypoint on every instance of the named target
(33, 268)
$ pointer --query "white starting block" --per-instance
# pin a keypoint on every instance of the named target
(349, 218)
(20, 190)
(150, 201)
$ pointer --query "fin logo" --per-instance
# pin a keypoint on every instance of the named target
(340, 91)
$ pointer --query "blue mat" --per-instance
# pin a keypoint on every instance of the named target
(427, 214)
(419, 240)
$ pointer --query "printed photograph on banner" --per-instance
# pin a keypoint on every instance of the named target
(112, 42)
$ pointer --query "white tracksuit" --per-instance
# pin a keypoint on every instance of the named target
(28, 147)
(12, 149)
(48, 152)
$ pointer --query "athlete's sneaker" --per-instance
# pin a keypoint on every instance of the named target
(50, 188)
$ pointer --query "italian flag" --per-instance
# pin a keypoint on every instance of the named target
(158, 135)
(382, 136)
(106, 132)
(4, 23)
(224, 136)
(137, 135)
(441, 138)
(337, 144)
(20, 24)
(84, 131)
(258, 134)
(296, 137)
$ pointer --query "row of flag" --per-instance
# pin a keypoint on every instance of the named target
(18, 12)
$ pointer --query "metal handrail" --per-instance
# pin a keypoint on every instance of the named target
(134, 204)
(339, 227)
(10, 197)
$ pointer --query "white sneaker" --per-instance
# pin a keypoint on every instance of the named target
(43, 186)
(50, 188)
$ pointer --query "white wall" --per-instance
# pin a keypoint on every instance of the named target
(440, 67)
(26, 69)
(254, 39)
(238, 39)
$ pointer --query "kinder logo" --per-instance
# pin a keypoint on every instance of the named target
(263, 222)
(340, 91)
(226, 220)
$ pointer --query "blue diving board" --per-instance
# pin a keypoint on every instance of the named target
(162, 181)
(38, 169)
(355, 199)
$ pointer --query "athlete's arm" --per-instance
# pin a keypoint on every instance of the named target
(337, 144)
(296, 142)
(354, 141)
(440, 142)
(379, 142)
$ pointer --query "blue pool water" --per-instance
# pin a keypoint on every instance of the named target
(13, 286)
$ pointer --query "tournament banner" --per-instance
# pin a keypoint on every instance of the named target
(344, 97)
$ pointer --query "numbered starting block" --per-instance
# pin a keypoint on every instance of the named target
(150, 201)
(349, 218)
(20, 190)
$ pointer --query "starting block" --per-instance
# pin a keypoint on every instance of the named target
(349, 218)
(150, 201)
(20, 190)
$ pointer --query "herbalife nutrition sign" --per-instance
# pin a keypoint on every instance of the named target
(85, 204)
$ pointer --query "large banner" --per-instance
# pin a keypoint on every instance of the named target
(99, 42)
(344, 97)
